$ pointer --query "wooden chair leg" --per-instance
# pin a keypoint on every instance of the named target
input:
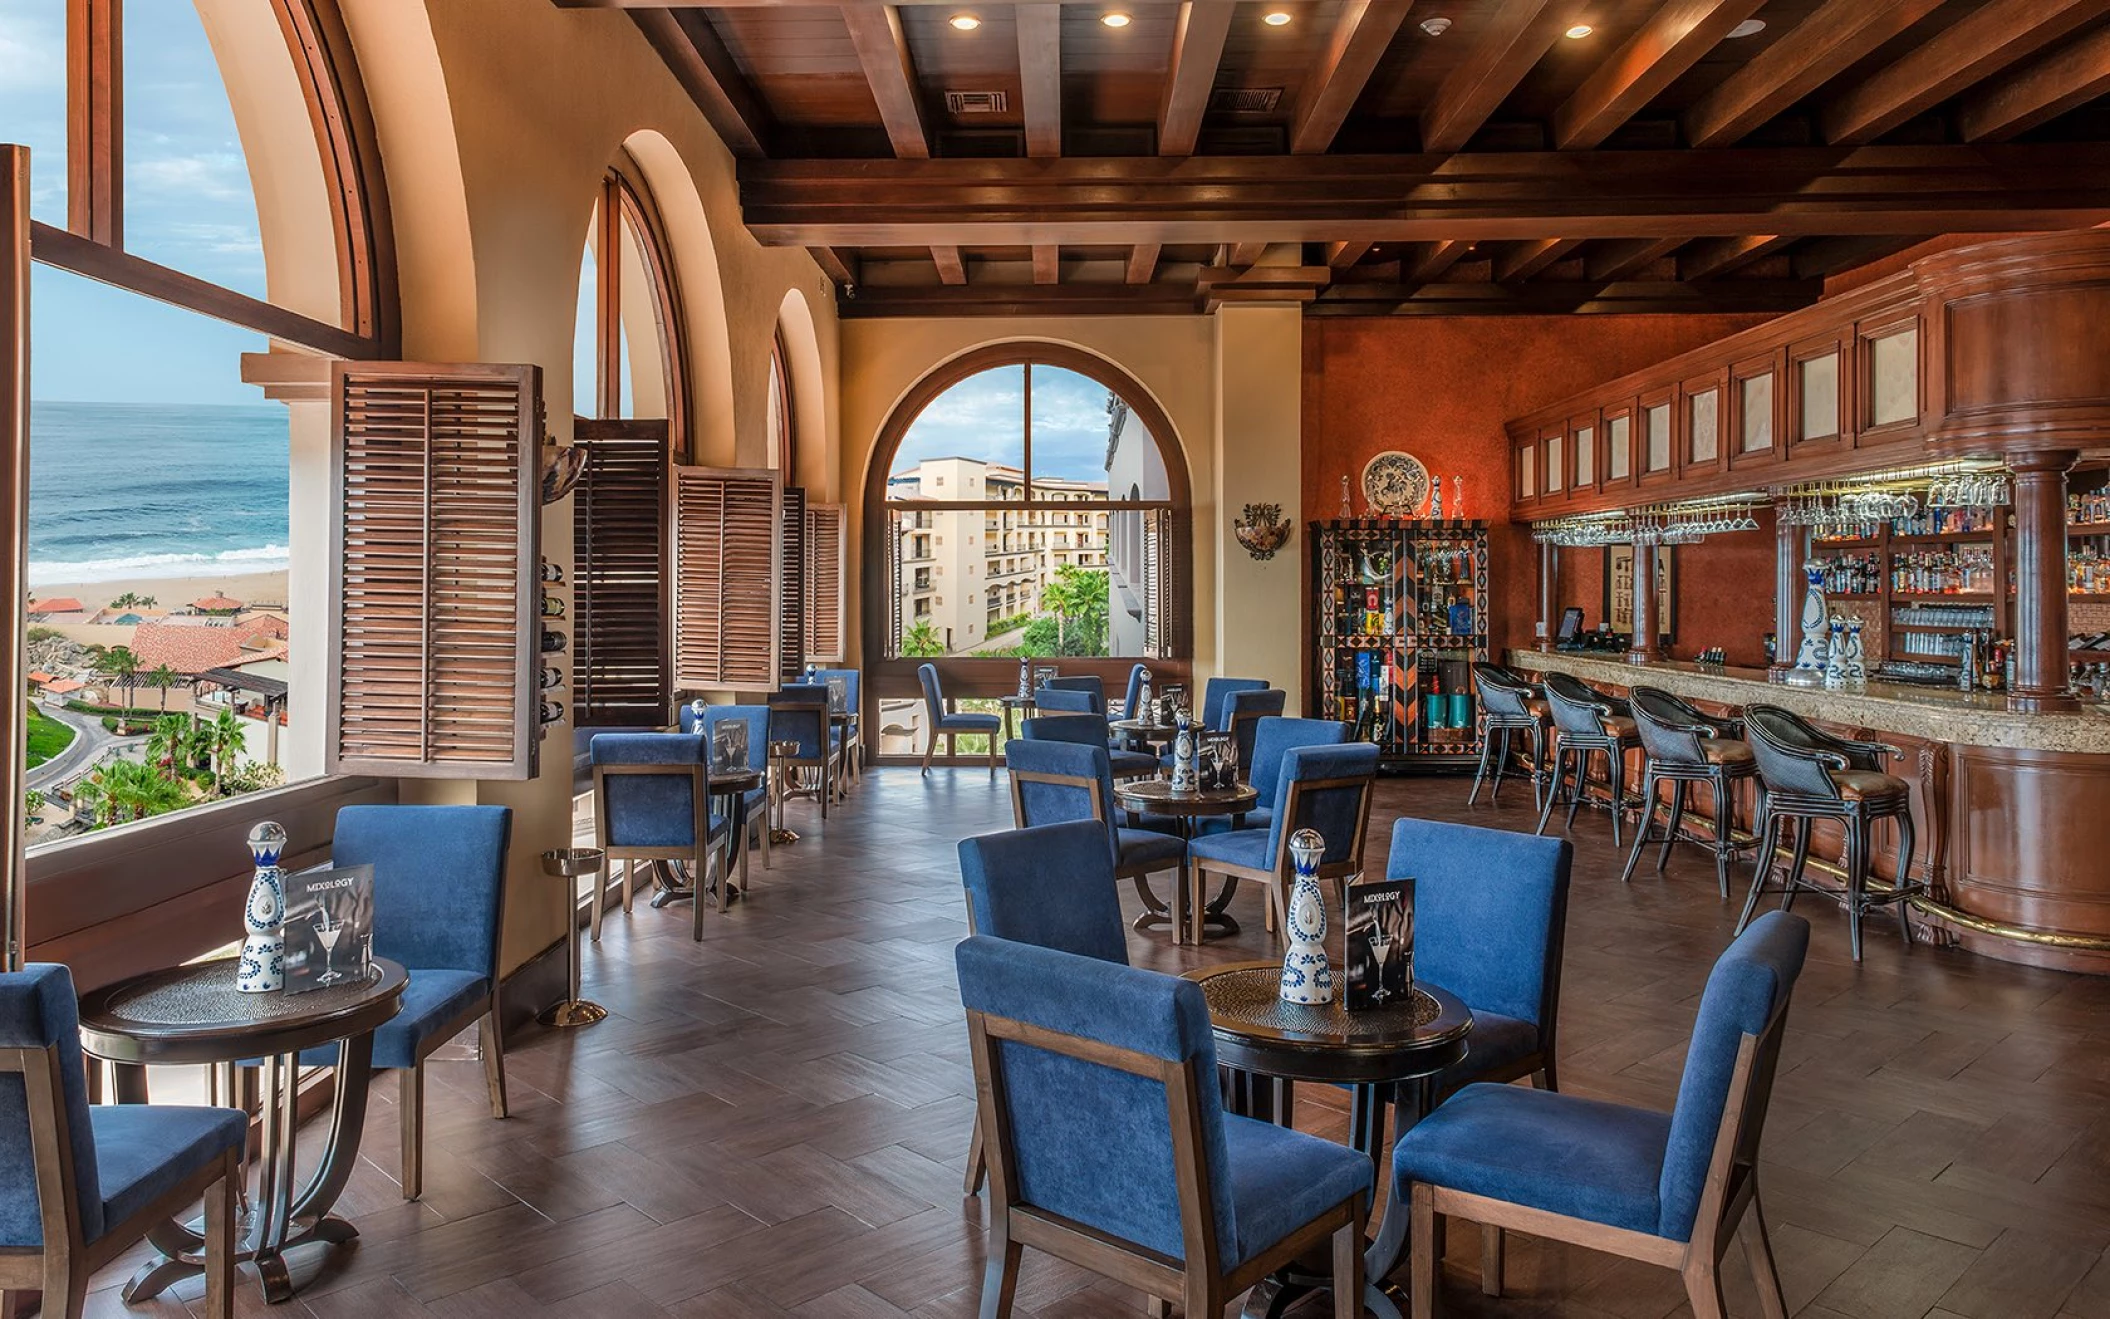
(1157, 1307)
(977, 1159)
(929, 750)
(1348, 1266)
(762, 827)
(65, 1287)
(1421, 1269)
(629, 887)
(1000, 1279)
(410, 1105)
(1491, 1244)
(493, 1048)
(1703, 1286)
(219, 1240)
(992, 757)
(600, 895)
(1758, 1250)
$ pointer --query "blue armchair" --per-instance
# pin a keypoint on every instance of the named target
(1665, 1188)
(1088, 683)
(1088, 729)
(1052, 887)
(1055, 782)
(1216, 696)
(652, 802)
(439, 904)
(84, 1183)
(1065, 700)
(1274, 738)
(1133, 697)
(752, 819)
(852, 749)
(1326, 788)
(1110, 1148)
(1239, 712)
(798, 713)
(950, 725)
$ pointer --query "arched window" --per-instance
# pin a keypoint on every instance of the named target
(783, 428)
(627, 354)
(1027, 501)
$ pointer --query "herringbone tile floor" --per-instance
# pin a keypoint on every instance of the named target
(774, 1121)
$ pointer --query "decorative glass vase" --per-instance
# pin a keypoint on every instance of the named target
(1307, 978)
(1811, 656)
(263, 964)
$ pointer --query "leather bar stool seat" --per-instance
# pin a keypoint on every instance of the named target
(1683, 746)
(1510, 704)
(1587, 723)
(1806, 774)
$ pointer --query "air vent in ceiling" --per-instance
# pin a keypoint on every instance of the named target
(977, 102)
(1244, 100)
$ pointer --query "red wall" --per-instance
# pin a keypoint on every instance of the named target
(1724, 593)
(1441, 388)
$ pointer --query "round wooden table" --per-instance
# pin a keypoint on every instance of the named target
(1156, 797)
(733, 786)
(1147, 731)
(193, 1016)
(1021, 706)
(1384, 1054)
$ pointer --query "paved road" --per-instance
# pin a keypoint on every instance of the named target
(90, 738)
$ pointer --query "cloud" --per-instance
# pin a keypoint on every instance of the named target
(32, 47)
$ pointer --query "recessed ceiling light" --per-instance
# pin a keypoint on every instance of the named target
(1750, 27)
(1276, 18)
(1116, 19)
(966, 22)
(1436, 26)
(1578, 32)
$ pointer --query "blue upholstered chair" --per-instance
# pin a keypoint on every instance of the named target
(1490, 920)
(439, 904)
(1326, 788)
(852, 748)
(798, 713)
(652, 802)
(1666, 1188)
(1274, 738)
(1055, 782)
(1133, 698)
(1239, 712)
(949, 725)
(1052, 887)
(1065, 700)
(1109, 1147)
(1089, 683)
(753, 820)
(1088, 729)
(1216, 696)
(81, 1184)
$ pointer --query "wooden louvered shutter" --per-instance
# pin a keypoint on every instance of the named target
(435, 520)
(791, 638)
(726, 571)
(620, 668)
(824, 583)
(1167, 612)
(896, 622)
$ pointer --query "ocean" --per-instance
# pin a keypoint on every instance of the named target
(123, 490)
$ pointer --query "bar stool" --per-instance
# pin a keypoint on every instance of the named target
(1682, 746)
(1808, 774)
(1513, 705)
(1585, 722)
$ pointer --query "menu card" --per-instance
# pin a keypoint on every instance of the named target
(329, 927)
(729, 747)
(1380, 943)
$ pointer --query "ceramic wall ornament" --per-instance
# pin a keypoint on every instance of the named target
(1262, 529)
(1396, 484)
(1307, 978)
(1347, 508)
(560, 470)
(262, 968)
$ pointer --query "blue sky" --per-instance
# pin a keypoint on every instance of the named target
(188, 205)
(981, 417)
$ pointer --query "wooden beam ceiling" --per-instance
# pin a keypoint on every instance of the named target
(840, 266)
(2039, 93)
(882, 50)
(1626, 257)
(951, 269)
(1804, 58)
(1142, 263)
(1360, 35)
(1342, 255)
(1518, 34)
(1524, 260)
(1197, 47)
(1040, 76)
(1492, 196)
(707, 71)
(1556, 298)
(1426, 261)
(1986, 39)
(1047, 264)
(1669, 43)
(1705, 258)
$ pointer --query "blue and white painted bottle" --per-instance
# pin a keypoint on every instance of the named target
(1184, 776)
(1307, 977)
(263, 964)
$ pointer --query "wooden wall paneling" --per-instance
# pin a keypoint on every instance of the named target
(1757, 411)
(1553, 462)
(2028, 849)
(1890, 380)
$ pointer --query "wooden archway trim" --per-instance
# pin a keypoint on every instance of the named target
(966, 675)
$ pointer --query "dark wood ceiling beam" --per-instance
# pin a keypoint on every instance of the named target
(1360, 35)
(1197, 48)
(1706, 258)
(1798, 192)
(1518, 34)
(2040, 93)
(1040, 76)
(706, 70)
(1527, 259)
(951, 269)
(842, 267)
(1047, 264)
(1425, 261)
(1345, 254)
(994, 299)
(1242, 255)
(1556, 297)
(882, 50)
(1142, 263)
(1627, 257)
(1803, 59)
(1668, 44)
(1988, 37)
(1821, 258)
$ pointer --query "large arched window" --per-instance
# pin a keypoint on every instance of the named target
(627, 353)
(1028, 501)
(782, 420)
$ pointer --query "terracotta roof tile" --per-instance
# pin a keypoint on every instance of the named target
(190, 651)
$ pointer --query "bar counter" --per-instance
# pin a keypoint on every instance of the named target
(2014, 837)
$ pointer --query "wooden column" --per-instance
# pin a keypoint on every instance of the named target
(14, 535)
(2041, 661)
(1642, 649)
(1787, 594)
(1549, 591)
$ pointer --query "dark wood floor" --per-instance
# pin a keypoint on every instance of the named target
(774, 1121)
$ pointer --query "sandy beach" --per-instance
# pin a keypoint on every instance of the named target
(169, 593)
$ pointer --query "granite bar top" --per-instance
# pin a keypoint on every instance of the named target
(1933, 713)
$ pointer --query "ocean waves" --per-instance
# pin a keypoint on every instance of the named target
(262, 558)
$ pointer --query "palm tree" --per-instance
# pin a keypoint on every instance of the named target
(921, 640)
(169, 743)
(1070, 593)
(229, 737)
(122, 664)
(164, 678)
(88, 799)
(131, 790)
(125, 601)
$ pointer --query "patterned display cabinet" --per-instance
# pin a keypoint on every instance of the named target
(1400, 614)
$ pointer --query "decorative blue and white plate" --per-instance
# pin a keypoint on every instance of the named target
(1395, 483)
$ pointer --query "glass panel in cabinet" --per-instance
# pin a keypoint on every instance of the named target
(1755, 398)
(1894, 377)
(1619, 458)
(1553, 464)
(1527, 471)
(1703, 422)
(1586, 455)
(1658, 432)
(1820, 396)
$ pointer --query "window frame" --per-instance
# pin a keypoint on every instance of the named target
(624, 207)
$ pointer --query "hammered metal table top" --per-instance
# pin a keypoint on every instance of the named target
(1246, 1008)
(197, 1009)
(1143, 726)
(731, 781)
(1157, 797)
